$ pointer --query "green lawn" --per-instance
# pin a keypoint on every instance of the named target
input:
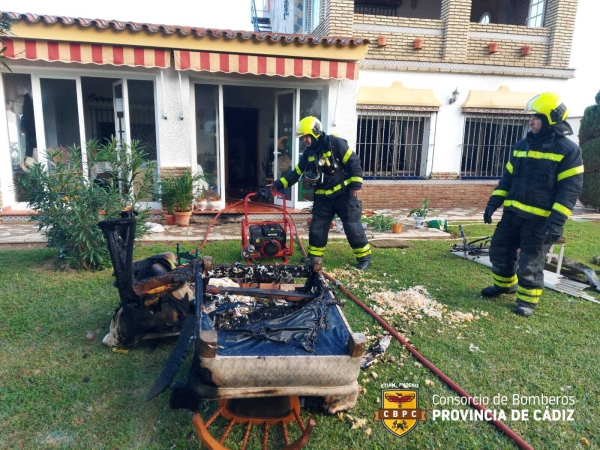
(59, 390)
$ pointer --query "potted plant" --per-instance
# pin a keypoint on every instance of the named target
(167, 197)
(184, 192)
(214, 203)
(420, 214)
(397, 225)
(201, 203)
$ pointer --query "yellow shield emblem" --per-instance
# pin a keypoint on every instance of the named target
(400, 413)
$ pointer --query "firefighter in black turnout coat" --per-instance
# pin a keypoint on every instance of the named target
(335, 169)
(539, 188)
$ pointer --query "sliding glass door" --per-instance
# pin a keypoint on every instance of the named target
(51, 113)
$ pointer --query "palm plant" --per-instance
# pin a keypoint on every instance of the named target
(422, 211)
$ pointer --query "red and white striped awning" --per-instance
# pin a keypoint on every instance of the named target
(264, 65)
(114, 55)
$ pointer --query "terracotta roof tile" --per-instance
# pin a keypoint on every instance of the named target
(186, 31)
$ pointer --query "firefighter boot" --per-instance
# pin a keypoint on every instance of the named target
(495, 291)
(524, 309)
(363, 263)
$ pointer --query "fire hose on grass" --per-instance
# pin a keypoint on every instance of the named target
(456, 388)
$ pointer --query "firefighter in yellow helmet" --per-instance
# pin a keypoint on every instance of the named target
(540, 185)
(335, 171)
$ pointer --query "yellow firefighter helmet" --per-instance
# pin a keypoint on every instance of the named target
(309, 125)
(550, 105)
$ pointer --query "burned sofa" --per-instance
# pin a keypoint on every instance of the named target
(265, 336)
(154, 293)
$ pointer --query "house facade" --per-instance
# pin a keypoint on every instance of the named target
(213, 101)
(442, 90)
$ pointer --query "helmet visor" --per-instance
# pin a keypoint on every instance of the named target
(530, 108)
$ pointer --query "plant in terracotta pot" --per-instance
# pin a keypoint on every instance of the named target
(184, 192)
(420, 214)
(397, 225)
(167, 198)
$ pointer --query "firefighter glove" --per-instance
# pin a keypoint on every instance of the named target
(487, 214)
(550, 232)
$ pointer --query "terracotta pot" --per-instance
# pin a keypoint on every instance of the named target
(493, 47)
(526, 50)
(169, 219)
(182, 218)
(397, 228)
(418, 44)
(381, 40)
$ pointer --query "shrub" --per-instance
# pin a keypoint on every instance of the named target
(380, 222)
(68, 203)
(589, 139)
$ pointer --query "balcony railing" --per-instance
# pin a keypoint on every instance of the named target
(260, 18)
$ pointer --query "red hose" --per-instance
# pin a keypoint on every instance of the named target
(501, 426)
(212, 222)
(456, 388)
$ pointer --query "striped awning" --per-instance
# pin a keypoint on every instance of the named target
(70, 52)
(264, 65)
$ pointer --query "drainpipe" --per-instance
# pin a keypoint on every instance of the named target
(162, 93)
(337, 99)
(180, 95)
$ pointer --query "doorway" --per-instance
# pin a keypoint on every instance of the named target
(241, 151)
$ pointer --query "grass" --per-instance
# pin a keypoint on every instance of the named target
(60, 390)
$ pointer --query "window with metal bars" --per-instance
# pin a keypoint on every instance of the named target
(488, 140)
(393, 144)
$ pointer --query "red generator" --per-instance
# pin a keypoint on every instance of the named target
(267, 239)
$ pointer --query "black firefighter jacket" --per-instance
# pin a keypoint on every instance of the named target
(541, 181)
(331, 151)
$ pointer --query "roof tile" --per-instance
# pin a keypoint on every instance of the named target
(185, 31)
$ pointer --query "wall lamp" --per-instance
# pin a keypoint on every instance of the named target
(454, 96)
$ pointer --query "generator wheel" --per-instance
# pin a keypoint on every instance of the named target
(276, 411)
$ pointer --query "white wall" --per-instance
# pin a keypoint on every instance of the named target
(340, 115)
(174, 134)
(580, 91)
(450, 119)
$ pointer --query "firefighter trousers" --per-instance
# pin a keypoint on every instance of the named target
(524, 268)
(349, 210)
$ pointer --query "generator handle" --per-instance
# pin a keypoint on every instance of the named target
(253, 194)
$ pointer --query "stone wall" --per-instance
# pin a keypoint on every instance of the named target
(440, 195)
(400, 34)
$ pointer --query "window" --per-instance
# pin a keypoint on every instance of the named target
(487, 142)
(393, 144)
(61, 121)
(315, 17)
(207, 133)
(311, 104)
(536, 13)
(22, 139)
